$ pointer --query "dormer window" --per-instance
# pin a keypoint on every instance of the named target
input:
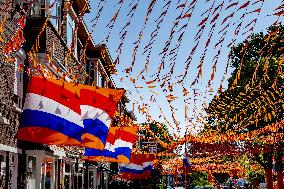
(71, 34)
(42, 8)
(54, 11)
(36, 9)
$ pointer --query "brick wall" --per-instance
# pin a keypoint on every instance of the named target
(56, 44)
(10, 118)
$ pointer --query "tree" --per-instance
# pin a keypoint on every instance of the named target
(254, 98)
(198, 179)
(255, 178)
(156, 132)
(156, 180)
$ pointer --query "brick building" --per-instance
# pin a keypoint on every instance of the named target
(58, 42)
(10, 102)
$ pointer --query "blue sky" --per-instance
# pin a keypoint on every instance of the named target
(195, 101)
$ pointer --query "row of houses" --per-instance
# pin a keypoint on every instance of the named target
(56, 39)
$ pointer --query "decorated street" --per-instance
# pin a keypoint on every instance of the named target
(141, 94)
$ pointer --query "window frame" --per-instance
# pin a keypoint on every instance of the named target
(55, 20)
(70, 21)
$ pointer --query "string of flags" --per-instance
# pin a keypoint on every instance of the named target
(71, 123)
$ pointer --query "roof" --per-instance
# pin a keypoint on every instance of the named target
(97, 51)
(83, 34)
(83, 5)
(132, 115)
(105, 55)
(100, 51)
(125, 99)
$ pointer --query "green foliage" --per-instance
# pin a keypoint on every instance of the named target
(160, 131)
(221, 177)
(255, 95)
(198, 179)
(254, 98)
(155, 181)
(278, 154)
(253, 54)
(255, 178)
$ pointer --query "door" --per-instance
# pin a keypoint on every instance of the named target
(91, 179)
(49, 173)
(13, 169)
(2, 169)
(31, 172)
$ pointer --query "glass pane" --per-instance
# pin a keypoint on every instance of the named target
(36, 9)
(70, 30)
(100, 80)
(49, 173)
(66, 181)
(55, 12)
(42, 172)
(67, 167)
(13, 170)
(75, 182)
(2, 170)
(91, 179)
(31, 172)
(56, 174)
(3, 165)
(80, 182)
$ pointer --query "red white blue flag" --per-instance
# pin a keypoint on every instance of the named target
(63, 113)
(140, 167)
(118, 146)
(186, 161)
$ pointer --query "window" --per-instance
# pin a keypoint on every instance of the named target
(54, 11)
(67, 167)
(2, 167)
(103, 82)
(31, 172)
(2, 170)
(93, 72)
(47, 172)
(100, 79)
(34, 7)
(18, 84)
(17, 101)
(71, 35)
(152, 149)
(67, 174)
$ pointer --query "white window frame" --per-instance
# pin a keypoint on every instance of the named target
(71, 22)
(93, 64)
(55, 19)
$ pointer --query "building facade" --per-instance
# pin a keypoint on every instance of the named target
(10, 102)
(58, 45)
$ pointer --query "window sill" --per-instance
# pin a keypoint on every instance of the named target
(3, 120)
(17, 109)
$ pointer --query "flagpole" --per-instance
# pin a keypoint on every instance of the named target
(176, 175)
(185, 177)
(186, 157)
